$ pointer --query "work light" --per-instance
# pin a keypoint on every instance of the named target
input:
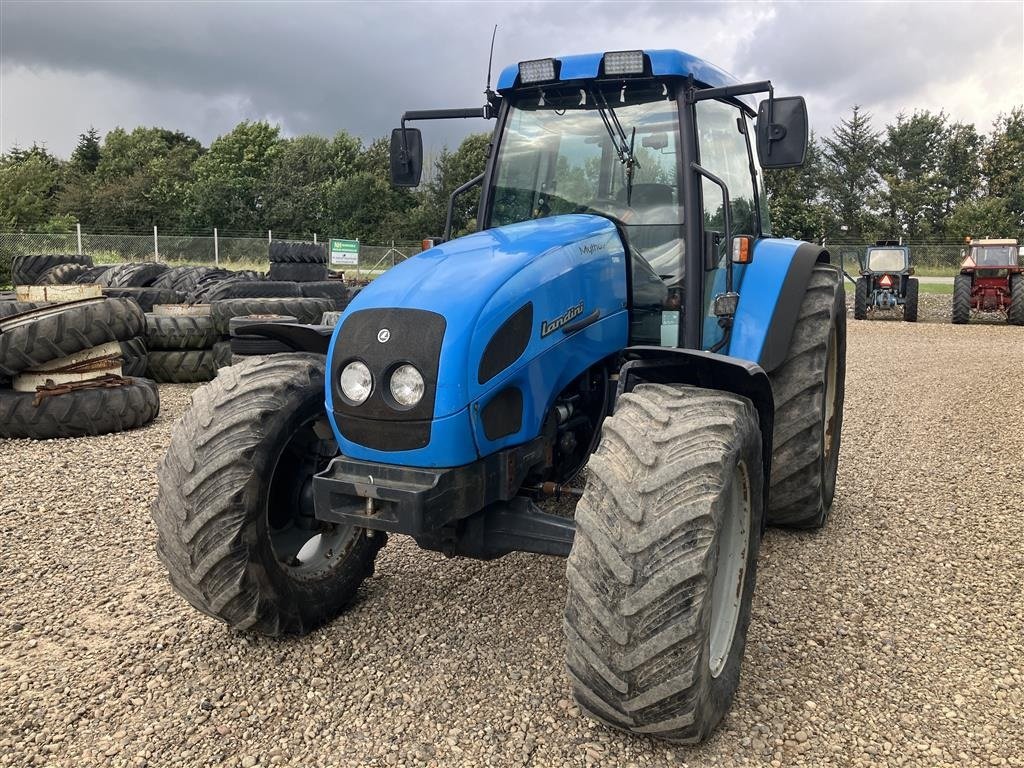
(537, 71)
(356, 382)
(624, 63)
(406, 385)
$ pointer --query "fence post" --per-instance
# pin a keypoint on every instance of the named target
(270, 238)
(78, 231)
(314, 238)
(216, 249)
(156, 245)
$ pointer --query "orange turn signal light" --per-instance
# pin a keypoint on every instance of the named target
(742, 249)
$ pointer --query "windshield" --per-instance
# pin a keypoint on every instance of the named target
(887, 260)
(564, 157)
(994, 255)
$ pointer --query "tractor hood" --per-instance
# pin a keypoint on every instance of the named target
(468, 314)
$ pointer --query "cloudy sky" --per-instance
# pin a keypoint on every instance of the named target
(201, 67)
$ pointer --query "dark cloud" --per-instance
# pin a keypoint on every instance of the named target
(201, 67)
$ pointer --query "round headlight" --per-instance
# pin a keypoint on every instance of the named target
(406, 385)
(356, 382)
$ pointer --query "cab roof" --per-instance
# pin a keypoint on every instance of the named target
(664, 63)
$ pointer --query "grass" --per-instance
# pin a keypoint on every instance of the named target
(935, 288)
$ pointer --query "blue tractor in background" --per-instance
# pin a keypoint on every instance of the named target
(620, 331)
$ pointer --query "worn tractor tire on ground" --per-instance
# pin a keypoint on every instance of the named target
(1015, 312)
(809, 388)
(231, 499)
(307, 311)
(335, 290)
(91, 275)
(297, 253)
(222, 354)
(209, 279)
(8, 308)
(299, 273)
(244, 288)
(656, 619)
(80, 412)
(138, 275)
(181, 366)
(860, 299)
(962, 286)
(146, 298)
(25, 270)
(62, 274)
(180, 332)
(59, 330)
(910, 300)
(133, 357)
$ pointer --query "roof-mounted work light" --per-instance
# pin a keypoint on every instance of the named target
(538, 71)
(623, 63)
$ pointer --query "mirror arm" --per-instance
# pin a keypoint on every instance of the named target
(451, 203)
(726, 215)
(487, 111)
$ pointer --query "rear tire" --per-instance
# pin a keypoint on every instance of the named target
(234, 502)
(962, 285)
(910, 301)
(809, 389)
(1015, 312)
(662, 569)
(860, 299)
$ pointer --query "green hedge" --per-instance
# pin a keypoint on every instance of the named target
(5, 269)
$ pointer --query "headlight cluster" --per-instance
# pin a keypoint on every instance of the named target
(405, 384)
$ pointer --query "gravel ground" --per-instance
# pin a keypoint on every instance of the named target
(894, 637)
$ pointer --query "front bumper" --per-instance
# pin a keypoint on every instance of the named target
(419, 501)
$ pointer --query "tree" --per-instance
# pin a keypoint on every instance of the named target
(1003, 166)
(86, 156)
(451, 170)
(795, 198)
(230, 179)
(959, 174)
(29, 181)
(910, 165)
(850, 180)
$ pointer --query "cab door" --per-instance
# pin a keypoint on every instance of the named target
(724, 149)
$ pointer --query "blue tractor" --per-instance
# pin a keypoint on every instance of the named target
(621, 332)
(886, 281)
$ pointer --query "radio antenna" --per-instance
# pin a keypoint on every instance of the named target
(490, 62)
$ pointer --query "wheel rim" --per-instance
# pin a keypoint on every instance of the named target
(304, 547)
(831, 396)
(731, 570)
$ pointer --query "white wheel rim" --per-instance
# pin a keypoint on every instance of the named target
(730, 571)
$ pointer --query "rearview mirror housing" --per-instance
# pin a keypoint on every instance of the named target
(782, 139)
(407, 159)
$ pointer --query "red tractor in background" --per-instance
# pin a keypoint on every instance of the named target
(991, 279)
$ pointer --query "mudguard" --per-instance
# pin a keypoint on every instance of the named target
(771, 290)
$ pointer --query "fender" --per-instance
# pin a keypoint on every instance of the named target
(301, 338)
(670, 365)
(771, 291)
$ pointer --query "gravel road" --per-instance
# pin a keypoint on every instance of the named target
(894, 637)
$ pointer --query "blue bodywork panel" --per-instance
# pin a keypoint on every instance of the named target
(477, 282)
(759, 285)
(664, 63)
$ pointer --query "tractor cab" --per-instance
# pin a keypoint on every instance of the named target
(886, 257)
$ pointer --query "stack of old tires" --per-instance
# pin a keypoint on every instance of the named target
(48, 269)
(64, 371)
(305, 264)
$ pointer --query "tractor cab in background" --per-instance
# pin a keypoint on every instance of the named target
(885, 281)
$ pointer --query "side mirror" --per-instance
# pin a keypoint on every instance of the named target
(782, 136)
(406, 157)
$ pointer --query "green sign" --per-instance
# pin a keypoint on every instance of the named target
(344, 252)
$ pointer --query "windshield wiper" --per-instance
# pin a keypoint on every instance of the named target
(623, 148)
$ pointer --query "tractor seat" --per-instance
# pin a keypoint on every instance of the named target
(656, 230)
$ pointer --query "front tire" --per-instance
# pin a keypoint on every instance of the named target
(910, 300)
(234, 506)
(961, 299)
(662, 569)
(809, 389)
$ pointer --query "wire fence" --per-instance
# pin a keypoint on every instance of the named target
(235, 252)
(252, 251)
